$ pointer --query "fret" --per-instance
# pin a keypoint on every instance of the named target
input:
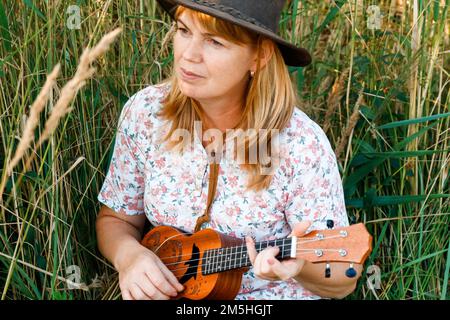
(279, 244)
(243, 255)
(228, 266)
(210, 261)
(224, 259)
(214, 262)
(228, 259)
(205, 263)
(219, 259)
(223, 263)
(239, 256)
(283, 249)
(288, 247)
(233, 257)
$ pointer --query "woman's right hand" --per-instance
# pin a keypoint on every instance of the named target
(143, 276)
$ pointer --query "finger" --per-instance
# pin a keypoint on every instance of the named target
(268, 254)
(126, 295)
(171, 277)
(151, 291)
(281, 271)
(158, 278)
(300, 228)
(136, 293)
(160, 283)
(251, 250)
(261, 268)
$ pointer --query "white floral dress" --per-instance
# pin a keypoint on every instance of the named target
(171, 188)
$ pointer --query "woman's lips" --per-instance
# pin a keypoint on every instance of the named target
(189, 75)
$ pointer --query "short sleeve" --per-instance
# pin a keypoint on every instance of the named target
(315, 192)
(123, 187)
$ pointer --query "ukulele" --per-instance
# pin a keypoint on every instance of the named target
(210, 265)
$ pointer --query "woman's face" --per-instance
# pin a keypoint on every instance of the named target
(223, 67)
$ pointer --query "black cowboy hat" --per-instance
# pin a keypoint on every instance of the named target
(260, 16)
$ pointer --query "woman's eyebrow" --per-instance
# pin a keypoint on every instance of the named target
(204, 34)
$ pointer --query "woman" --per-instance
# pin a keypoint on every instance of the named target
(229, 73)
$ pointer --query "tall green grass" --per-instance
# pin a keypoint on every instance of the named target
(382, 95)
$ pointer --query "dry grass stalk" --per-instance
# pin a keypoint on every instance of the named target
(337, 91)
(31, 124)
(68, 92)
(33, 120)
(351, 125)
(61, 108)
(415, 106)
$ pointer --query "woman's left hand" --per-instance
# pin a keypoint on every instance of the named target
(267, 267)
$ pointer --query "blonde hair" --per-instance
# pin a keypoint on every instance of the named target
(269, 103)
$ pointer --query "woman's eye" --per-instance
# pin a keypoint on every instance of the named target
(216, 43)
(183, 30)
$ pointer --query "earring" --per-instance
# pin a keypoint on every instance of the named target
(252, 74)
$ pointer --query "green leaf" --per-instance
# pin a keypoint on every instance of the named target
(403, 154)
(359, 174)
(5, 35)
(31, 5)
(378, 201)
(408, 264)
(414, 136)
(331, 15)
(445, 282)
(413, 121)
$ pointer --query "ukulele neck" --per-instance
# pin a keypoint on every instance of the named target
(229, 258)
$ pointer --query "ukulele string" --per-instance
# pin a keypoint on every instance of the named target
(193, 273)
(226, 262)
(299, 251)
(312, 239)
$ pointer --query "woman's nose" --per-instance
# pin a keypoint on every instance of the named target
(192, 51)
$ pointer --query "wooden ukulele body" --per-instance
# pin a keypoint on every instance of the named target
(210, 265)
(182, 253)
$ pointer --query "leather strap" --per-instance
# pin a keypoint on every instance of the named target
(212, 186)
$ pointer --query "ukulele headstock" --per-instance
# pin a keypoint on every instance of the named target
(351, 244)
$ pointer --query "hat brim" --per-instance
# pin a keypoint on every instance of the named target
(293, 56)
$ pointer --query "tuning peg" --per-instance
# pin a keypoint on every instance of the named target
(330, 224)
(327, 271)
(350, 272)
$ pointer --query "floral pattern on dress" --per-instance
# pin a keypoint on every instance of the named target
(172, 188)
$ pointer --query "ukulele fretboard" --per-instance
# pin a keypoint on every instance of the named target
(224, 259)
